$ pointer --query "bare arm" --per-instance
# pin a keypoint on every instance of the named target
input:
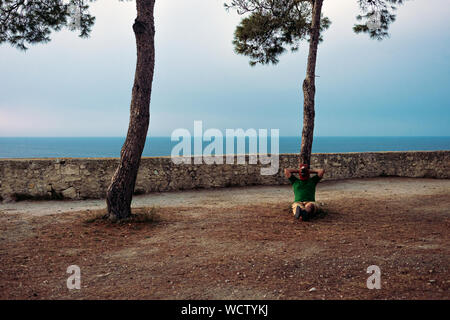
(288, 172)
(319, 172)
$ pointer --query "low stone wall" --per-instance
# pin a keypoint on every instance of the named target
(83, 178)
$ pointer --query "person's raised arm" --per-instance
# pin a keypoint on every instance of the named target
(288, 172)
(319, 172)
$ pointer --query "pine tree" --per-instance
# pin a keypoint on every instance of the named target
(25, 22)
(271, 27)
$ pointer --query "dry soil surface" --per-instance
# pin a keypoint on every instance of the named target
(236, 243)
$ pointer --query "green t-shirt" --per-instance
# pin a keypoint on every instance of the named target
(304, 190)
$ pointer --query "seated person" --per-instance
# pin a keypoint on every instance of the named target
(304, 190)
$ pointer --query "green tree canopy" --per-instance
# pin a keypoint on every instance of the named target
(274, 26)
(377, 15)
(25, 22)
(271, 27)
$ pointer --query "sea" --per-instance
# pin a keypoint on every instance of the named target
(162, 146)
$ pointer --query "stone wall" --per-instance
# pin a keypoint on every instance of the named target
(83, 178)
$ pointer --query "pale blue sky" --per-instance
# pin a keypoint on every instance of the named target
(82, 87)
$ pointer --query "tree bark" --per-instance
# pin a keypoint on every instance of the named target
(309, 87)
(120, 191)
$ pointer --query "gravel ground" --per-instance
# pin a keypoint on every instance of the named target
(236, 243)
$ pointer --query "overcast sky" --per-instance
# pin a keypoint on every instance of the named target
(82, 87)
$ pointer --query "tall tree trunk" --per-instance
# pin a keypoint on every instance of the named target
(120, 192)
(309, 87)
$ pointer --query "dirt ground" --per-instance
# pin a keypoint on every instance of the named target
(236, 243)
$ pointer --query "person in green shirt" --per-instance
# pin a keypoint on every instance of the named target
(304, 187)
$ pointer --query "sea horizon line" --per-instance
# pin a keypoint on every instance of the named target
(287, 136)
